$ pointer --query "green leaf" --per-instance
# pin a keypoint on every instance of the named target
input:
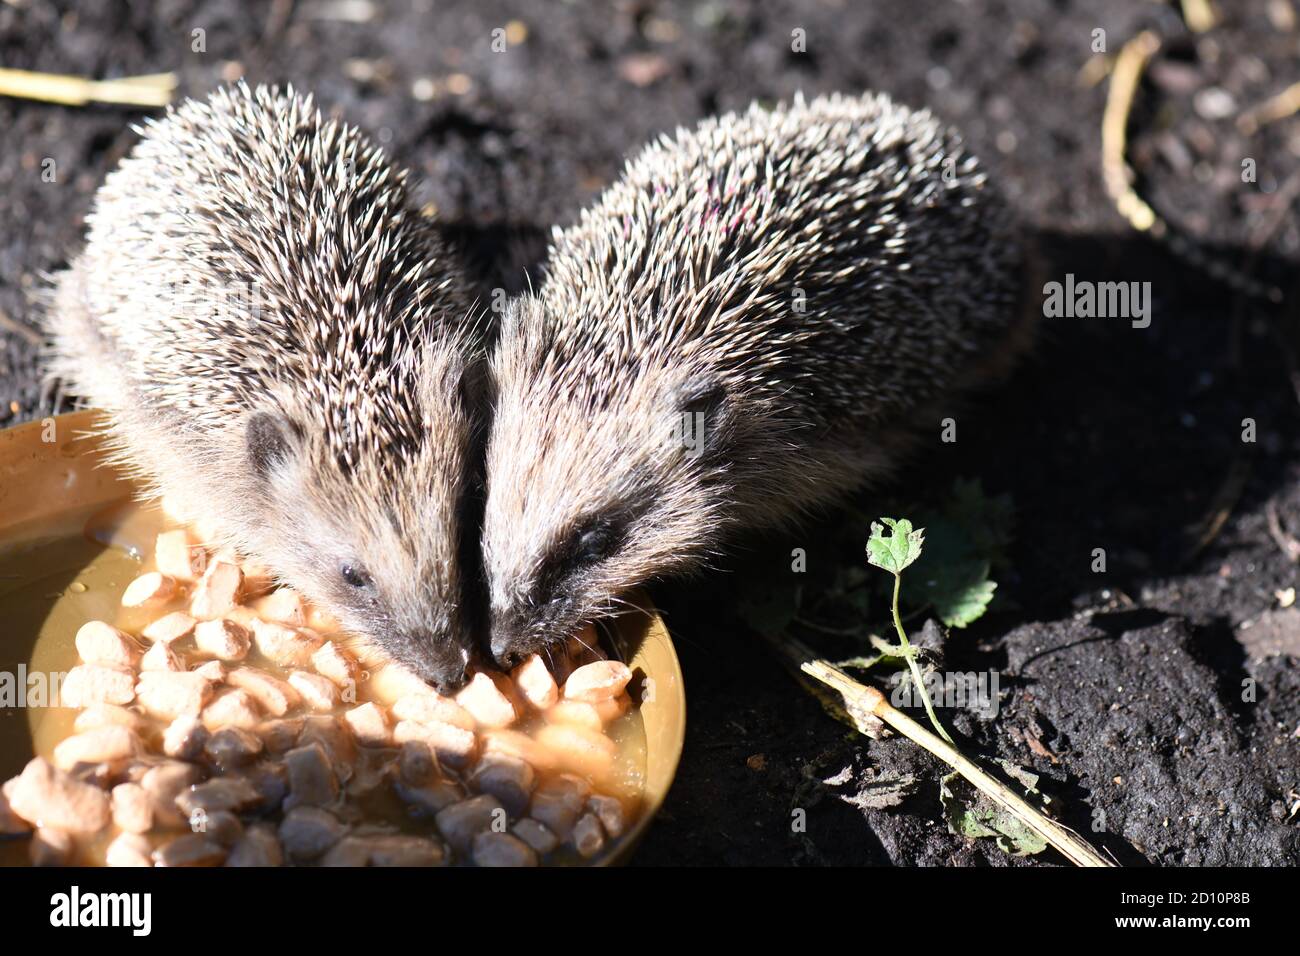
(970, 813)
(898, 549)
(959, 591)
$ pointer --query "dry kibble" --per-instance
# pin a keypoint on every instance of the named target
(433, 709)
(149, 589)
(284, 605)
(178, 556)
(217, 794)
(486, 700)
(597, 681)
(312, 781)
(166, 783)
(416, 763)
(536, 835)
(270, 780)
(609, 811)
(535, 683)
(333, 662)
(184, 738)
(167, 695)
(213, 671)
(89, 684)
(129, 849)
(282, 734)
(286, 646)
(222, 639)
(317, 692)
(232, 707)
(48, 797)
(453, 746)
(161, 657)
(100, 643)
(275, 696)
(430, 798)
(50, 846)
(223, 827)
(132, 808)
(385, 850)
(101, 745)
(509, 779)
(576, 712)
(232, 747)
(169, 628)
(258, 579)
(613, 708)
(461, 822)
(516, 744)
(332, 734)
(588, 837)
(558, 802)
(10, 822)
(192, 849)
(103, 715)
(369, 725)
(307, 832)
(259, 846)
(502, 849)
(218, 591)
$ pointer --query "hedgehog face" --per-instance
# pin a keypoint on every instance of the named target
(591, 493)
(379, 552)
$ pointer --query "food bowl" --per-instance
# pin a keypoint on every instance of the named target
(53, 479)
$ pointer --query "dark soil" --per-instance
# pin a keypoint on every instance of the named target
(1158, 700)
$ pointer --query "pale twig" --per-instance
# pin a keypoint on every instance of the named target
(152, 90)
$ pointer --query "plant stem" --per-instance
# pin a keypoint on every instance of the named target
(910, 654)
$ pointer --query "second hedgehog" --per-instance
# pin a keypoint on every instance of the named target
(284, 352)
(747, 324)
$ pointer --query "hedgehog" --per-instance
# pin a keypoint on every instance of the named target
(285, 352)
(748, 325)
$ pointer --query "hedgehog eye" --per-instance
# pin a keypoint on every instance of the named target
(594, 543)
(354, 577)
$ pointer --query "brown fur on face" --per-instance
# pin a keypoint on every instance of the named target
(284, 349)
(810, 281)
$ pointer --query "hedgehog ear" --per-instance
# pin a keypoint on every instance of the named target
(705, 410)
(269, 441)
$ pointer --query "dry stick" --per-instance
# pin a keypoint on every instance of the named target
(154, 89)
(862, 699)
(1198, 15)
(1124, 79)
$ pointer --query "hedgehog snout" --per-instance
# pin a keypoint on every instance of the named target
(439, 662)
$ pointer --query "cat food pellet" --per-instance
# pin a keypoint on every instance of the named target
(90, 684)
(431, 798)
(536, 835)
(103, 715)
(332, 734)
(385, 850)
(178, 556)
(558, 802)
(286, 646)
(50, 846)
(218, 591)
(416, 763)
(48, 797)
(535, 683)
(612, 709)
(232, 707)
(147, 589)
(515, 744)
(170, 628)
(579, 748)
(270, 780)
(307, 832)
(222, 639)
(461, 822)
(433, 709)
(275, 696)
(184, 738)
(453, 746)
(509, 779)
(161, 657)
(312, 780)
(259, 846)
(100, 643)
(369, 725)
(100, 745)
(282, 734)
(485, 699)
(132, 808)
(223, 827)
(609, 811)
(588, 837)
(502, 849)
(232, 747)
(332, 662)
(129, 849)
(317, 692)
(597, 681)
(213, 671)
(166, 784)
(284, 605)
(219, 793)
(10, 822)
(167, 695)
(192, 849)
(577, 712)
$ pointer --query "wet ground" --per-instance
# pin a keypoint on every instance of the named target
(1157, 699)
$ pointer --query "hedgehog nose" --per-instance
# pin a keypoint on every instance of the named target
(504, 651)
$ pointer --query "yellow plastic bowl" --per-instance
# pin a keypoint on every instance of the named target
(52, 478)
